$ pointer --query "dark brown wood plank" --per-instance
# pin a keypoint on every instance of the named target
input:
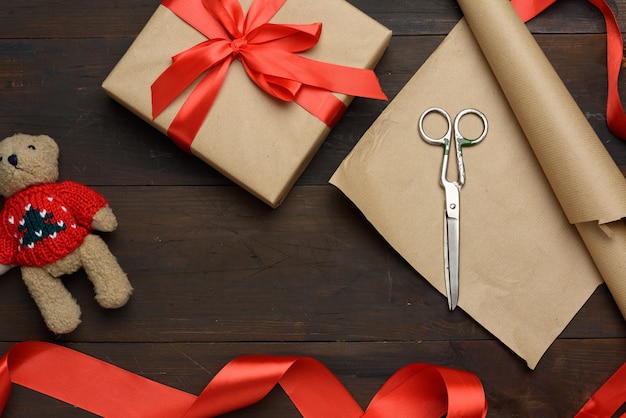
(313, 270)
(308, 271)
(29, 19)
(54, 87)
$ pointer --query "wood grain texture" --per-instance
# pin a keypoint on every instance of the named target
(218, 274)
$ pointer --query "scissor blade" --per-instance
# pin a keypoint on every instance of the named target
(451, 238)
(452, 261)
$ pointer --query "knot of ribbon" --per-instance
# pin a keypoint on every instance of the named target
(417, 390)
(269, 55)
(237, 44)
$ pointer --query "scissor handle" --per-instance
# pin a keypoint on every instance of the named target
(459, 139)
(462, 140)
(443, 140)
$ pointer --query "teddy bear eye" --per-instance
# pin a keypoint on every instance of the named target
(30, 147)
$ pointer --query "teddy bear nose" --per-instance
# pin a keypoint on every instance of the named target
(13, 160)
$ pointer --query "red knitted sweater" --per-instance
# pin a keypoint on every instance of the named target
(44, 223)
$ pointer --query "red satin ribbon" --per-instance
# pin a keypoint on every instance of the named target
(615, 117)
(268, 54)
(417, 390)
(608, 399)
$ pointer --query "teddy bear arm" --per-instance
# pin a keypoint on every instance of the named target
(87, 206)
(104, 220)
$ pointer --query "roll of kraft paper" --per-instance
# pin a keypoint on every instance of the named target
(586, 181)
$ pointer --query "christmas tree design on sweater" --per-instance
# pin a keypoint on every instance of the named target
(38, 225)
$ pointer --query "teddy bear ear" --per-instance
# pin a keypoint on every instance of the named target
(49, 143)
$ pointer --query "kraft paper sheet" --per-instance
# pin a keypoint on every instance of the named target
(525, 271)
(259, 142)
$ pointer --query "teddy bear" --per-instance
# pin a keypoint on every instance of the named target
(46, 228)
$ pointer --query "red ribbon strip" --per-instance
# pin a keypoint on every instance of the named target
(615, 117)
(608, 399)
(417, 390)
(268, 54)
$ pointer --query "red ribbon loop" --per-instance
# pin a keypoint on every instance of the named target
(417, 390)
(268, 54)
(615, 116)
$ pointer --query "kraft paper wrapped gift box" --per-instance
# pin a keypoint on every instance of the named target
(258, 141)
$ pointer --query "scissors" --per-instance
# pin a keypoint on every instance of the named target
(452, 191)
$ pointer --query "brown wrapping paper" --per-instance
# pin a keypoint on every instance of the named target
(257, 141)
(524, 269)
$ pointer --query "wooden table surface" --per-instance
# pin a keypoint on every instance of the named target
(218, 274)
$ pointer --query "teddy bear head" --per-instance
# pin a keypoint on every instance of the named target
(27, 160)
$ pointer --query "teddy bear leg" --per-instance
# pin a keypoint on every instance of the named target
(57, 306)
(110, 282)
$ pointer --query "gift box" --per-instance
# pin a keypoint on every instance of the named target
(236, 124)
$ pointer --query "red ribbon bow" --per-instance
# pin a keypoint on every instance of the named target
(417, 390)
(268, 54)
